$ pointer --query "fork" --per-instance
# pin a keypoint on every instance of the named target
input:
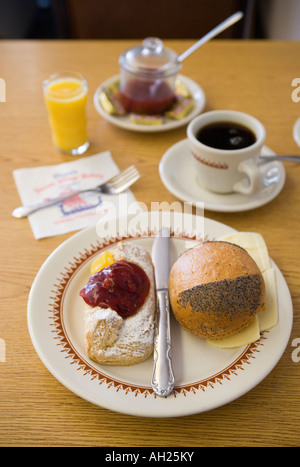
(266, 159)
(113, 186)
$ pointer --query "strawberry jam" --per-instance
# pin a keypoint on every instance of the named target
(147, 97)
(122, 286)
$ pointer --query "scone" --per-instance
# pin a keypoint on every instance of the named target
(120, 307)
(216, 289)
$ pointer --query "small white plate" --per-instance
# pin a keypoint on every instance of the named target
(124, 122)
(177, 174)
(206, 378)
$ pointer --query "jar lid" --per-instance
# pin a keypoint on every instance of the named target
(151, 59)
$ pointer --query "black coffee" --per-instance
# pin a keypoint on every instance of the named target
(226, 135)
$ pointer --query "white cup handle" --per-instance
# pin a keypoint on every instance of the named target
(254, 180)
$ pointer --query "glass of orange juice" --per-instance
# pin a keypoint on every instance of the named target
(66, 97)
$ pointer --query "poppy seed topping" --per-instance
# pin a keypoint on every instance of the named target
(225, 297)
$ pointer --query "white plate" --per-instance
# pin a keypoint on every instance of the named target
(177, 174)
(206, 378)
(124, 122)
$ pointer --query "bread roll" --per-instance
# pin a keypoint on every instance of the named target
(216, 289)
(114, 340)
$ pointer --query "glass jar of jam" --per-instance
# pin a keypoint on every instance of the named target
(148, 75)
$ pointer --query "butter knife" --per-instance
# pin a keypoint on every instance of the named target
(163, 380)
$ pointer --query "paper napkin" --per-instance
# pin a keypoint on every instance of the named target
(41, 183)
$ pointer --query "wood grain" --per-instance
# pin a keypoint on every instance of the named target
(255, 77)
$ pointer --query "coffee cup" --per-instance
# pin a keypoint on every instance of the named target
(225, 146)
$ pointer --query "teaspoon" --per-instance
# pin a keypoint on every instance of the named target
(266, 159)
(214, 32)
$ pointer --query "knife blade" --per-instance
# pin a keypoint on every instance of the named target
(163, 379)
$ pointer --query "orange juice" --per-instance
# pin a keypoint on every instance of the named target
(66, 97)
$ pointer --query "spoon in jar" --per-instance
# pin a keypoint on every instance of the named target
(214, 32)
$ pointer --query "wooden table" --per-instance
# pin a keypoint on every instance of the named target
(254, 77)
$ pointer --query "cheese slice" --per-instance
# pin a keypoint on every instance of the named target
(254, 244)
(269, 317)
(246, 336)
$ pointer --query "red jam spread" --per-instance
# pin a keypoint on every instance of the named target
(147, 97)
(122, 286)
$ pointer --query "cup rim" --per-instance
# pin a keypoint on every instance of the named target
(223, 114)
(62, 75)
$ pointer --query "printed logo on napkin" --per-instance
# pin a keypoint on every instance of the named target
(43, 183)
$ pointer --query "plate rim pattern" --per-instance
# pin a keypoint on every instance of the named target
(55, 314)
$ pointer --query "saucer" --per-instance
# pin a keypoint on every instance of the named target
(197, 94)
(177, 174)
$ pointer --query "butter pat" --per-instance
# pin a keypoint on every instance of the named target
(181, 90)
(181, 109)
(111, 102)
(140, 119)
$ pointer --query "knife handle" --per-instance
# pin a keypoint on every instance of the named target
(163, 378)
